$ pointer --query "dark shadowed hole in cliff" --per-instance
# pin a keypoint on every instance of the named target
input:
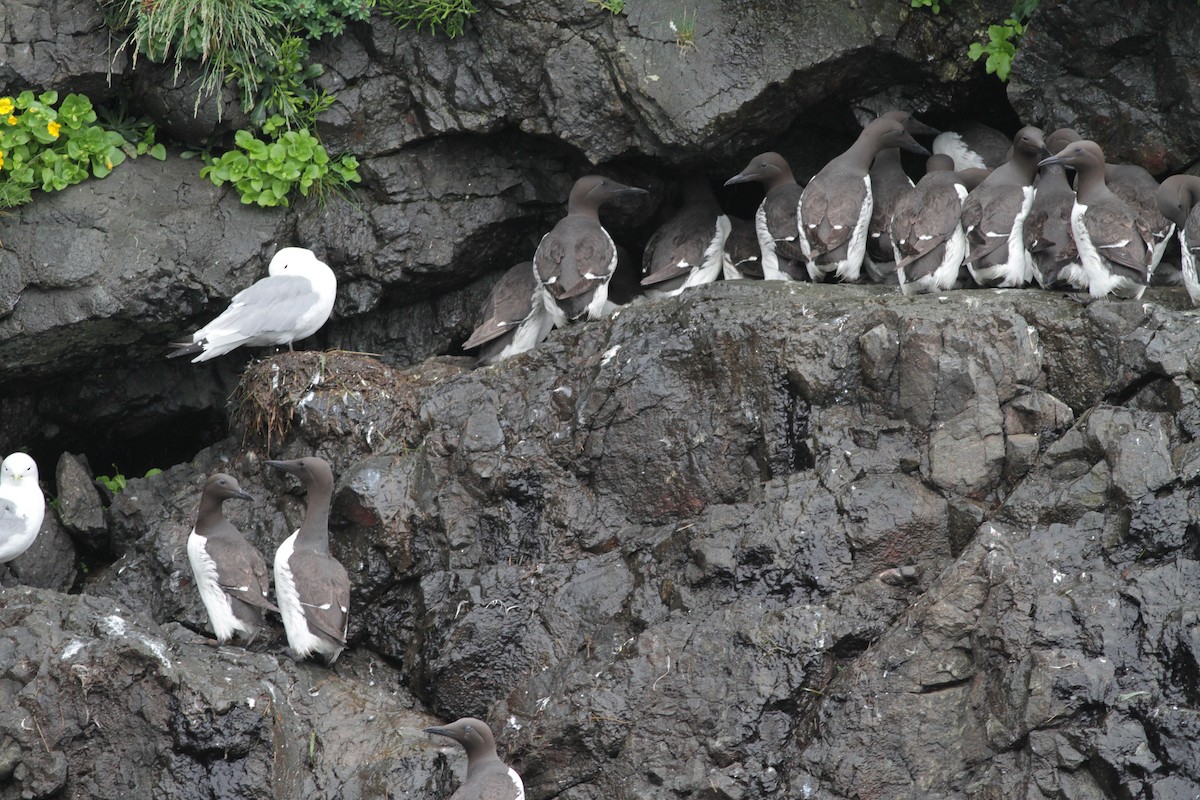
(133, 450)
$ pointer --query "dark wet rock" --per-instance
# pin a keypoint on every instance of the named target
(1123, 78)
(45, 45)
(468, 147)
(670, 550)
(758, 541)
(49, 563)
(79, 506)
(99, 701)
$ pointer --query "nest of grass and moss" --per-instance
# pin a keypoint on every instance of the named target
(318, 396)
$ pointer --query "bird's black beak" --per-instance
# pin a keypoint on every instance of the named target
(913, 146)
(918, 128)
(1045, 162)
(283, 466)
(741, 177)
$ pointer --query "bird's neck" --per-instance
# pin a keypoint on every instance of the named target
(1091, 186)
(314, 533)
(210, 512)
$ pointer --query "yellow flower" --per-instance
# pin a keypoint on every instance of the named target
(53, 127)
(1, 159)
(12, 120)
(6, 105)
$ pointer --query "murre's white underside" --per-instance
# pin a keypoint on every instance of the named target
(1017, 269)
(220, 611)
(1101, 282)
(766, 243)
(713, 260)
(1191, 281)
(303, 642)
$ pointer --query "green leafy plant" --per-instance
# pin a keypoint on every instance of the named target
(266, 172)
(449, 16)
(999, 49)
(52, 148)
(1001, 44)
(611, 6)
(282, 85)
(115, 483)
(933, 5)
(318, 18)
(138, 133)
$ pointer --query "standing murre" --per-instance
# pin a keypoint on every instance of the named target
(488, 778)
(835, 207)
(513, 319)
(743, 254)
(1047, 231)
(775, 222)
(311, 586)
(994, 215)
(1179, 200)
(230, 573)
(1115, 246)
(927, 234)
(889, 183)
(688, 249)
(576, 259)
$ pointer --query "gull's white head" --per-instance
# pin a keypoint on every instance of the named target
(292, 260)
(17, 469)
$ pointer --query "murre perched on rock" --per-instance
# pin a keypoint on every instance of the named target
(688, 249)
(488, 778)
(1047, 231)
(1115, 246)
(513, 319)
(1179, 201)
(743, 255)
(775, 222)
(22, 508)
(835, 207)
(230, 573)
(577, 258)
(291, 303)
(889, 183)
(927, 234)
(994, 216)
(311, 586)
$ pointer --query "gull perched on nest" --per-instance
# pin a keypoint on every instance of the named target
(292, 302)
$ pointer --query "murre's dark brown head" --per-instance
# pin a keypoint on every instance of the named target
(770, 169)
(313, 472)
(1177, 195)
(592, 191)
(221, 487)
(474, 735)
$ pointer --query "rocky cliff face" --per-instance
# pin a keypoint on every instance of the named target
(758, 541)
